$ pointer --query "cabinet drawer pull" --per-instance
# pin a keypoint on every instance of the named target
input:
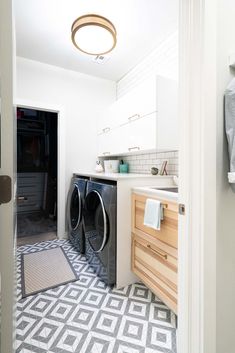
(134, 148)
(106, 129)
(106, 153)
(134, 117)
(158, 252)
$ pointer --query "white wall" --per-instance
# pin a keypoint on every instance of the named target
(163, 60)
(225, 196)
(81, 97)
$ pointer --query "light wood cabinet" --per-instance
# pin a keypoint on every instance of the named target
(154, 253)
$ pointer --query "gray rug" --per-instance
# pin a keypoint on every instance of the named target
(46, 269)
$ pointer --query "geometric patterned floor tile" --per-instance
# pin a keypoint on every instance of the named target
(87, 316)
(83, 317)
(140, 292)
(161, 337)
(114, 304)
(133, 331)
(107, 323)
(125, 291)
(70, 339)
(44, 334)
(73, 293)
(25, 324)
(126, 347)
(97, 343)
(138, 309)
(99, 285)
(161, 315)
(61, 311)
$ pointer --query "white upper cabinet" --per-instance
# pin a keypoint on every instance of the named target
(108, 143)
(107, 119)
(141, 134)
(139, 102)
(144, 119)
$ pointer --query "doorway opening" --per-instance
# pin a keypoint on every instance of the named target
(37, 175)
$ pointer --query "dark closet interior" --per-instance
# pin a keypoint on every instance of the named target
(36, 172)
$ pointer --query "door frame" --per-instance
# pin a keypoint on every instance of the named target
(7, 210)
(61, 147)
(197, 182)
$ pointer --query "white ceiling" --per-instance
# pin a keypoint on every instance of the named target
(43, 32)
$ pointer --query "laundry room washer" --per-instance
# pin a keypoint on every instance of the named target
(100, 220)
(75, 204)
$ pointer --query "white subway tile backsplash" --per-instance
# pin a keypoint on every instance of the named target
(142, 163)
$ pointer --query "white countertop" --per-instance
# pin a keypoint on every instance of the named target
(150, 192)
(120, 176)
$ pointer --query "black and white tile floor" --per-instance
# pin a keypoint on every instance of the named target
(88, 317)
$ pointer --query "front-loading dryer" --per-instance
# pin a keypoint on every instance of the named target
(100, 218)
(75, 204)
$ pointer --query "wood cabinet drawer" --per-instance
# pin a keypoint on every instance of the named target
(157, 269)
(154, 253)
(168, 233)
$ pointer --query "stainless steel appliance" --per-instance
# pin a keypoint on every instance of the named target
(75, 205)
(100, 213)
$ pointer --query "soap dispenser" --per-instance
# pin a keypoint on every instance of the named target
(98, 167)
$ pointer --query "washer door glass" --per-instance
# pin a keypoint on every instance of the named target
(75, 208)
(96, 227)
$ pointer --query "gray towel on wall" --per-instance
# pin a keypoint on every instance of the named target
(230, 128)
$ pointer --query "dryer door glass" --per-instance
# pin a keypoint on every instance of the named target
(75, 208)
(96, 227)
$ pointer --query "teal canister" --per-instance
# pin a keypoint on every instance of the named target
(123, 168)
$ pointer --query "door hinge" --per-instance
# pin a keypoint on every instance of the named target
(181, 209)
(5, 189)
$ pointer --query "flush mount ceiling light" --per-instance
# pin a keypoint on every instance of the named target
(94, 34)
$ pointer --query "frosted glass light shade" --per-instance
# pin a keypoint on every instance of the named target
(93, 34)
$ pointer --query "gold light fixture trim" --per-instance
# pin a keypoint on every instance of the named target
(93, 20)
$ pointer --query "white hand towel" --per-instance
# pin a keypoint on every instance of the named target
(153, 214)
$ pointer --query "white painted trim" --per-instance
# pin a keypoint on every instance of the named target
(61, 192)
(7, 210)
(197, 182)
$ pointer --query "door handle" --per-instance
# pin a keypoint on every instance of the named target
(5, 189)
